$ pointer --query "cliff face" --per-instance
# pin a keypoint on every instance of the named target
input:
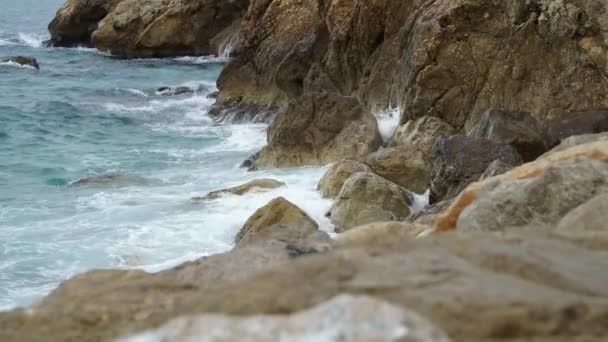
(451, 59)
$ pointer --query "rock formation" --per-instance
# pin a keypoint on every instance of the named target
(333, 180)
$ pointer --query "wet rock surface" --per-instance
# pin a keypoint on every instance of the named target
(22, 60)
(256, 185)
(331, 183)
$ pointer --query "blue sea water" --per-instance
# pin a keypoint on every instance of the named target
(85, 114)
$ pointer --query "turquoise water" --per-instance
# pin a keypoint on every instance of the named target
(86, 114)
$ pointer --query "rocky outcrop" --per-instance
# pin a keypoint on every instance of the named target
(280, 218)
(256, 185)
(406, 166)
(352, 319)
(76, 21)
(366, 198)
(535, 194)
(22, 60)
(448, 59)
(459, 161)
(320, 129)
(518, 129)
(422, 133)
(331, 183)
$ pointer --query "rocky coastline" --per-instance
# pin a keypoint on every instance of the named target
(503, 122)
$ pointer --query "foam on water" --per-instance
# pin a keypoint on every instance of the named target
(16, 65)
(388, 122)
(32, 40)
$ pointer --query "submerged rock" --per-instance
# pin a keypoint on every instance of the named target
(344, 318)
(405, 165)
(256, 185)
(112, 179)
(331, 183)
(318, 129)
(459, 161)
(23, 60)
(366, 198)
(181, 90)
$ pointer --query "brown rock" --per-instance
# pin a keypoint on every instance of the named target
(319, 129)
(422, 133)
(278, 214)
(574, 124)
(255, 185)
(331, 183)
(405, 165)
(366, 198)
(497, 167)
(380, 231)
(576, 141)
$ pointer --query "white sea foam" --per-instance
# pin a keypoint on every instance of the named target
(388, 121)
(134, 91)
(32, 40)
(16, 65)
(201, 59)
(420, 201)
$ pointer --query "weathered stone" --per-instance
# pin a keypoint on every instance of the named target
(592, 215)
(318, 129)
(518, 129)
(331, 183)
(23, 60)
(592, 158)
(256, 185)
(366, 198)
(576, 141)
(281, 214)
(405, 165)
(76, 20)
(380, 231)
(162, 28)
(577, 124)
(345, 317)
(422, 133)
(459, 161)
(497, 167)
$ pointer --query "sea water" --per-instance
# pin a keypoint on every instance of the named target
(86, 114)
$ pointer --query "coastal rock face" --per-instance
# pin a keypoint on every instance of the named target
(281, 214)
(331, 183)
(162, 28)
(23, 60)
(366, 198)
(406, 166)
(319, 129)
(459, 161)
(76, 20)
(422, 133)
(346, 318)
(518, 129)
(255, 185)
(449, 59)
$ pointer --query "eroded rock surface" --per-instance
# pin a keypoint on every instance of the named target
(422, 133)
(405, 165)
(331, 183)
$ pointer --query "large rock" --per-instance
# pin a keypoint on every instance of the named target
(319, 129)
(534, 194)
(517, 129)
(279, 219)
(23, 60)
(405, 165)
(256, 185)
(366, 198)
(162, 28)
(422, 133)
(331, 183)
(76, 20)
(459, 161)
(345, 318)
(527, 287)
(449, 59)
(577, 124)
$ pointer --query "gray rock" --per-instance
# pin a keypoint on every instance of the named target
(576, 140)
(578, 123)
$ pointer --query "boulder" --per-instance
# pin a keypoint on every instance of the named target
(459, 161)
(380, 231)
(23, 60)
(518, 129)
(536, 194)
(366, 198)
(331, 183)
(577, 124)
(164, 28)
(405, 165)
(76, 20)
(256, 185)
(576, 141)
(422, 133)
(497, 167)
(281, 215)
(353, 318)
(319, 129)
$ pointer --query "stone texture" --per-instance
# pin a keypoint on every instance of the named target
(345, 318)
(406, 166)
(577, 124)
(281, 214)
(366, 198)
(256, 185)
(331, 183)
(592, 158)
(318, 129)
(459, 161)
(380, 231)
(576, 141)
(497, 167)
(518, 129)
(422, 133)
